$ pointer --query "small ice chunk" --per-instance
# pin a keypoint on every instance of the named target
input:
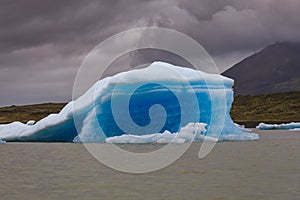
(30, 122)
(189, 133)
(288, 126)
(295, 129)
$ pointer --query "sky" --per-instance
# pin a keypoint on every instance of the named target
(43, 43)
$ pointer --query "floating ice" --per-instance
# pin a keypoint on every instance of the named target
(155, 99)
(192, 132)
(189, 133)
(294, 129)
(30, 122)
(288, 126)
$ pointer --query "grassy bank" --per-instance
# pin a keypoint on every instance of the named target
(271, 108)
(248, 110)
(28, 112)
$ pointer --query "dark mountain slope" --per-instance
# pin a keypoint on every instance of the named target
(274, 69)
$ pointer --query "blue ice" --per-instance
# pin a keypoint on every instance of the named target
(160, 99)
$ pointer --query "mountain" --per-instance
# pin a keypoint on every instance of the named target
(274, 69)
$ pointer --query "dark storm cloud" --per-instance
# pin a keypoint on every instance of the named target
(42, 43)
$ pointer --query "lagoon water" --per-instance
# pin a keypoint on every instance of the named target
(265, 169)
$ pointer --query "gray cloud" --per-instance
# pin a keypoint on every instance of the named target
(44, 42)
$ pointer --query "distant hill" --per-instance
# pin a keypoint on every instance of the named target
(272, 70)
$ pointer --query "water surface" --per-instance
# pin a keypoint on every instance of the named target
(264, 169)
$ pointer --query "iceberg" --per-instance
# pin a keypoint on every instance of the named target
(288, 126)
(160, 103)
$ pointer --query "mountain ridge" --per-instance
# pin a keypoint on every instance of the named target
(274, 69)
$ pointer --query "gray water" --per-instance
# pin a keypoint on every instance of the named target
(264, 169)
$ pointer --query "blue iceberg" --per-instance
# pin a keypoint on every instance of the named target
(154, 104)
